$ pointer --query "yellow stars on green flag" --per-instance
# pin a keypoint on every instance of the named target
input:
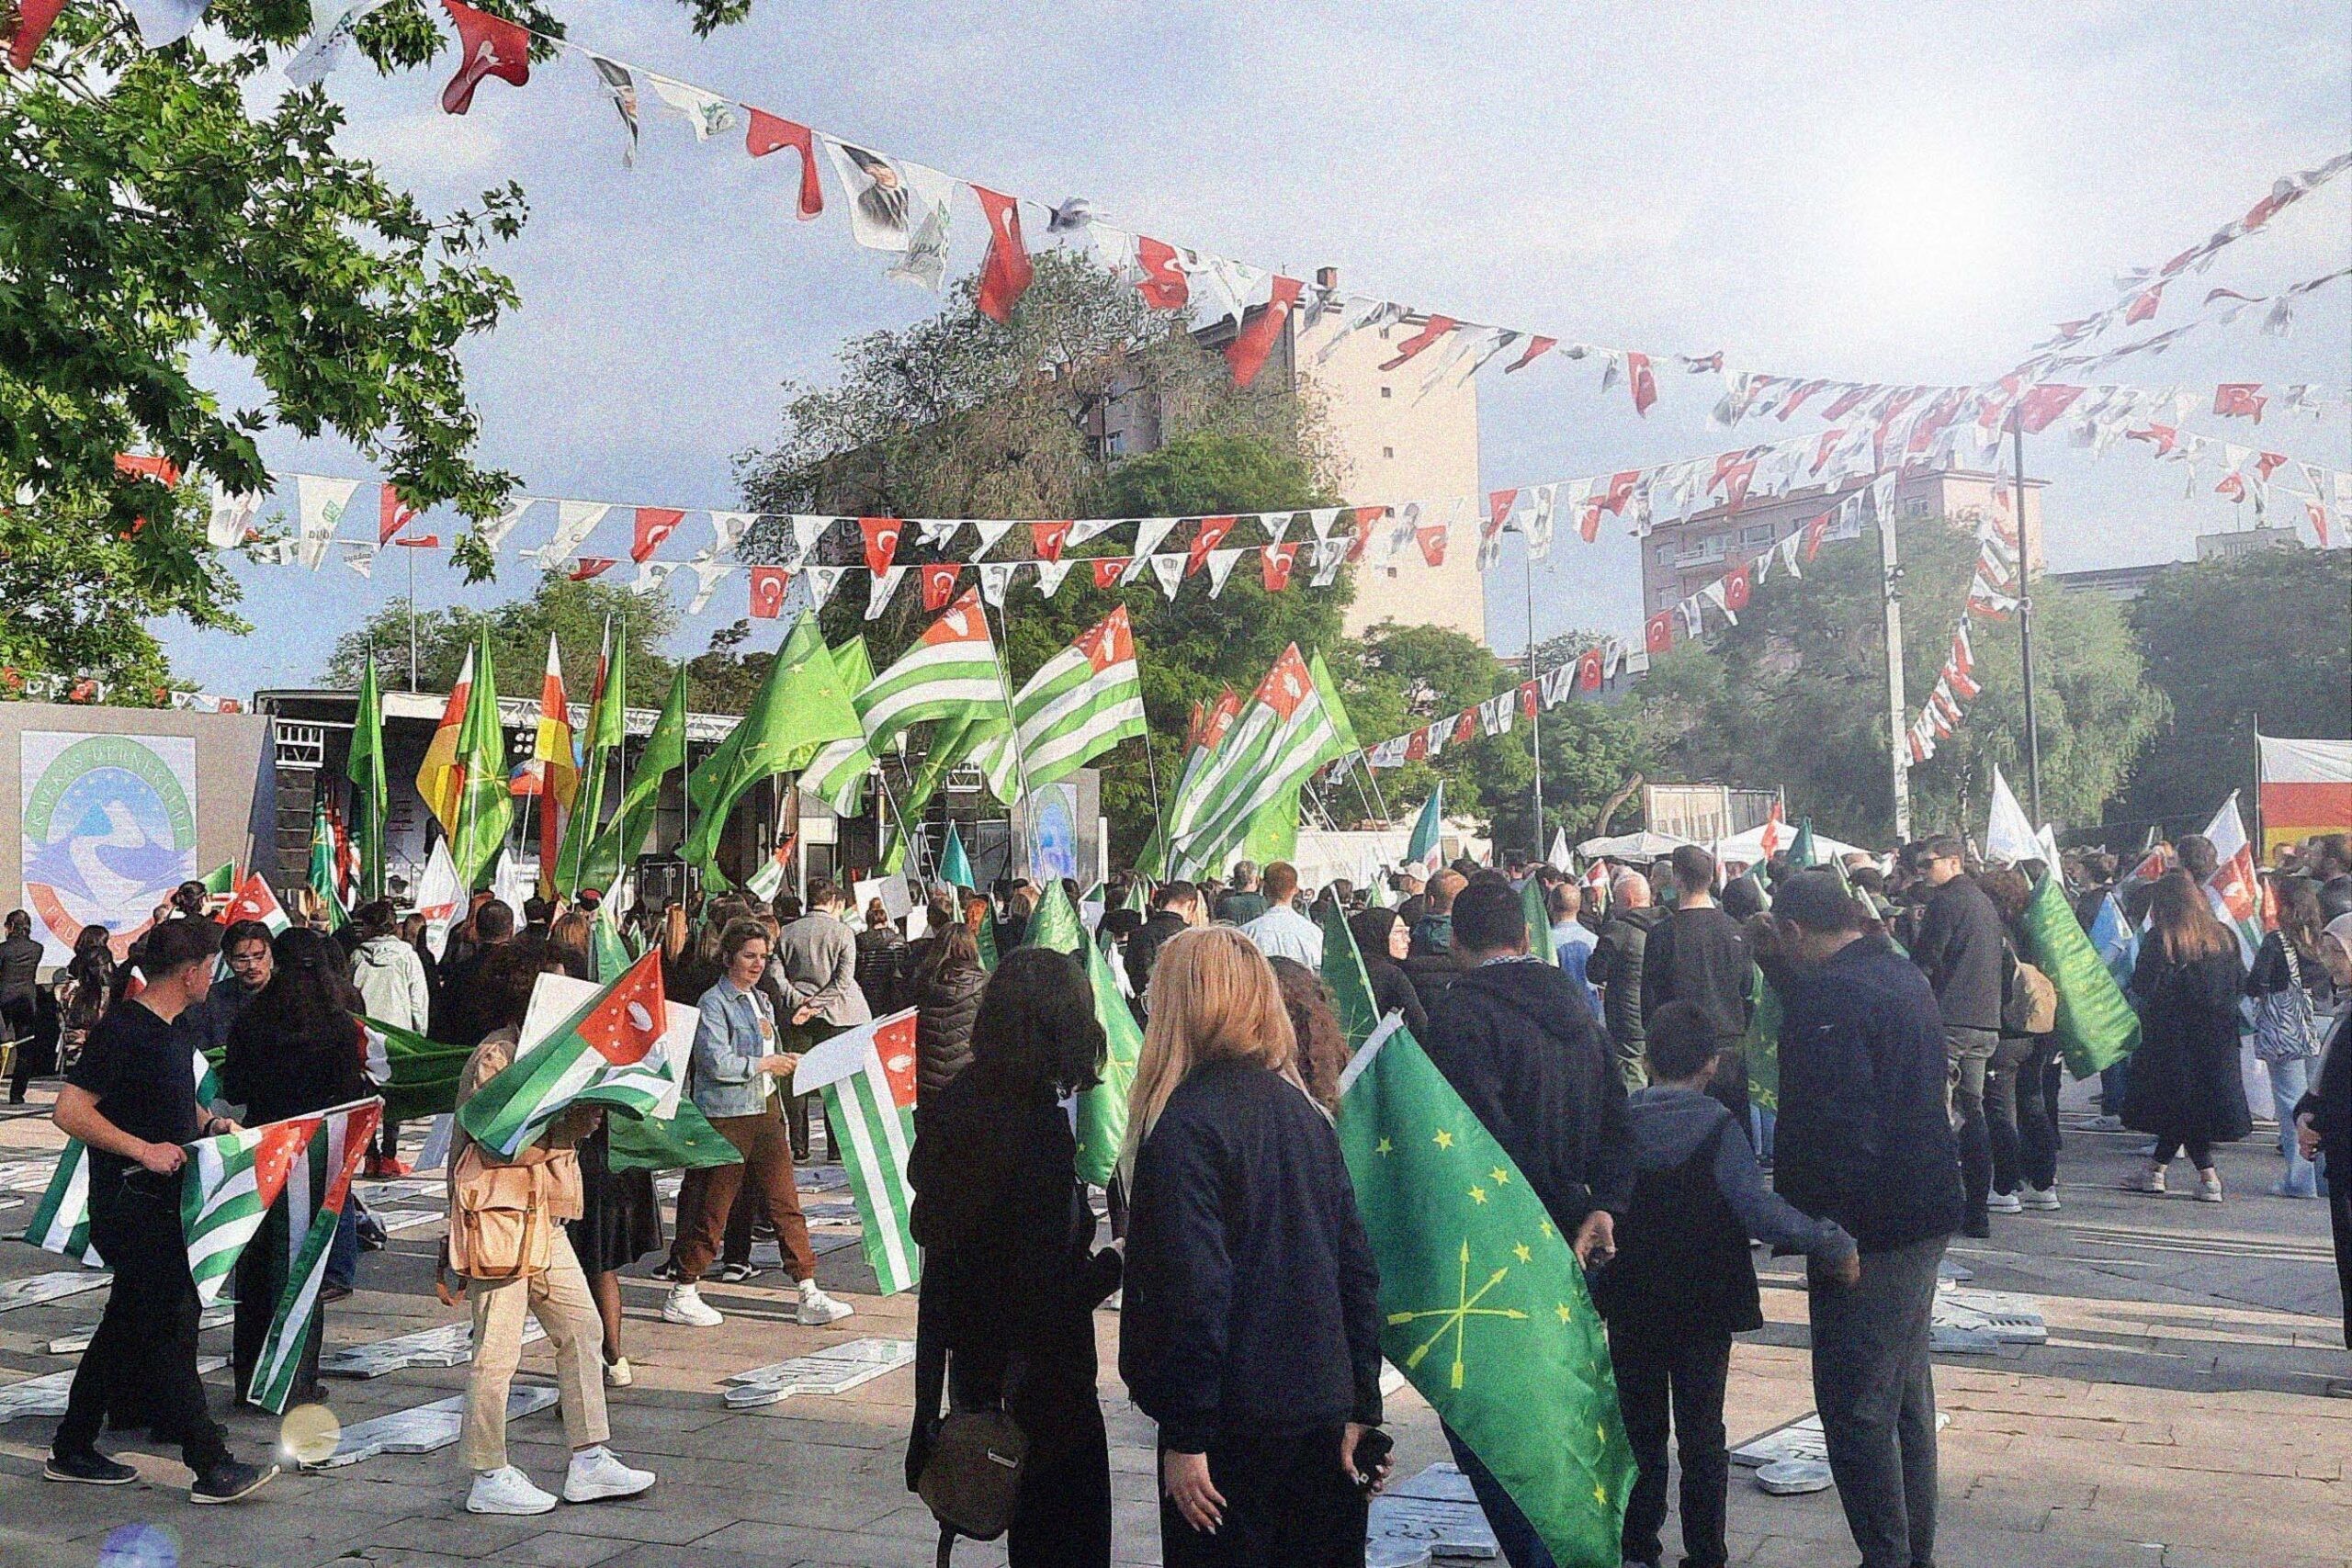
(1524, 1253)
(1499, 1176)
(1384, 1148)
(1443, 1139)
(1477, 1194)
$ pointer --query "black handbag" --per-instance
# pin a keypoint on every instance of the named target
(965, 1467)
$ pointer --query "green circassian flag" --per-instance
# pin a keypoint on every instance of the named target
(1483, 1304)
(665, 753)
(1425, 850)
(1539, 922)
(1343, 972)
(800, 705)
(369, 798)
(484, 810)
(607, 725)
(424, 1072)
(322, 876)
(2097, 1027)
(955, 864)
(839, 770)
(1102, 1110)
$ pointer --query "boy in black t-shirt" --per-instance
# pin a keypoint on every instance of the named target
(131, 1099)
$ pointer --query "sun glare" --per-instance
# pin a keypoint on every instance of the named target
(1928, 225)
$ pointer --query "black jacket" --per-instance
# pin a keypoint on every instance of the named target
(2329, 1104)
(946, 1003)
(2184, 1081)
(1616, 966)
(1518, 1045)
(1143, 948)
(1959, 950)
(1699, 956)
(1252, 1302)
(876, 968)
(19, 968)
(1864, 1138)
(274, 1076)
(1392, 991)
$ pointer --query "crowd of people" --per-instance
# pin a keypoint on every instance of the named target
(1853, 1063)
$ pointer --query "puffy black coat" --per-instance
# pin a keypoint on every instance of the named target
(2184, 1081)
(878, 951)
(1959, 946)
(1518, 1045)
(946, 1001)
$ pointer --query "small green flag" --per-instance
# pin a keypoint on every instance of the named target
(222, 880)
(1425, 851)
(610, 852)
(954, 865)
(985, 938)
(424, 1072)
(799, 706)
(365, 769)
(2097, 1027)
(1539, 922)
(1274, 831)
(1343, 971)
(321, 868)
(607, 725)
(611, 954)
(684, 1142)
(484, 809)
(1761, 1045)
(1102, 1110)
(1483, 1306)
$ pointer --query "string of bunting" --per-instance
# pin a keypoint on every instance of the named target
(1993, 595)
(21, 686)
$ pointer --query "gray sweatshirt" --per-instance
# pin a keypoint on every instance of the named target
(1670, 1123)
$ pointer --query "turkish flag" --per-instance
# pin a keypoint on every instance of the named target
(1465, 727)
(490, 45)
(587, 566)
(1536, 351)
(628, 1021)
(2040, 405)
(1620, 491)
(1206, 537)
(1274, 562)
(34, 19)
(939, 584)
(1643, 383)
(1049, 539)
(768, 585)
(2240, 400)
(1588, 670)
(2143, 305)
(1529, 694)
(881, 542)
(1657, 632)
(1417, 746)
(1736, 587)
(1498, 506)
(2160, 436)
(1108, 568)
(1245, 355)
(768, 132)
(1163, 285)
(1434, 328)
(2232, 486)
(392, 514)
(1005, 272)
(1823, 447)
(1851, 398)
(655, 523)
(1432, 538)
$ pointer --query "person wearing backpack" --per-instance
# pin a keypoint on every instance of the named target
(1682, 1282)
(2020, 1114)
(2292, 995)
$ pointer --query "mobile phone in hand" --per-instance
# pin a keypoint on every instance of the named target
(1372, 1451)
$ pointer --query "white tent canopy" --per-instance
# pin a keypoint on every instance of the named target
(1641, 846)
(1747, 848)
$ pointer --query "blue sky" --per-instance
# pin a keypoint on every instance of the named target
(1905, 194)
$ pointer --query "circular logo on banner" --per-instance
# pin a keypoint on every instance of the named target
(108, 833)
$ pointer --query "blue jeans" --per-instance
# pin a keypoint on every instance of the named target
(343, 1257)
(2289, 1080)
(1522, 1547)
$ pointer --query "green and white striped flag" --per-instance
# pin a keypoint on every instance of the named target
(1079, 704)
(227, 1185)
(867, 1076)
(608, 1053)
(838, 772)
(1285, 733)
(60, 1220)
(950, 670)
(316, 1188)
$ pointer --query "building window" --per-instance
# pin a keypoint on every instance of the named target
(1387, 392)
(1757, 534)
(1915, 507)
(1388, 451)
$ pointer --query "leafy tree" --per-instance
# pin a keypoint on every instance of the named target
(573, 613)
(153, 202)
(1794, 696)
(2267, 637)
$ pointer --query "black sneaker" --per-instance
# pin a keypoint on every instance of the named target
(89, 1468)
(229, 1482)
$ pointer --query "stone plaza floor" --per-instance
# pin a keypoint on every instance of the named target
(2191, 1408)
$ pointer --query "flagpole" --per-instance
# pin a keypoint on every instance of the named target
(1151, 772)
(2025, 611)
(1011, 722)
(412, 620)
(1535, 716)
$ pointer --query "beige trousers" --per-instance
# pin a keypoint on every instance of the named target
(559, 1298)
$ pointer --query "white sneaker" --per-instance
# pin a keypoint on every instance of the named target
(2004, 1204)
(2107, 1123)
(818, 1309)
(685, 1306)
(507, 1491)
(2044, 1198)
(596, 1475)
(2208, 1187)
(2149, 1181)
(619, 1373)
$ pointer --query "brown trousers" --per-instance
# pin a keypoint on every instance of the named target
(767, 1149)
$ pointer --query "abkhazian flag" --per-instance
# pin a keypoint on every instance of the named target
(873, 1110)
(1102, 1110)
(1425, 850)
(1483, 1304)
(604, 1054)
(1285, 733)
(2233, 890)
(1079, 704)
(1203, 735)
(768, 881)
(256, 901)
(950, 670)
(608, 727)
(227, 1185)
(316, 1188)
(61, 1220)
(838, 772)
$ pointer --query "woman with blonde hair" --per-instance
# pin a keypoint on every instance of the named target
(1250, 1328)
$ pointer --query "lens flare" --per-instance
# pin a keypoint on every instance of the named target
(140, 1546)
(308, 1434)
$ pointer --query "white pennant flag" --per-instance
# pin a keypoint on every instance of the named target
(991, 530)
(806, 529)
(2009, 835)
(320, 505)
(821, 581)
(574, 521)
(879, 593)
(1149, 531)
(493, 533)
(653, 576)
(1170, 570)
(937, 531)
(709, 114)
(896, 206)
(726, 531)
(360, 558)
(1788, 553)
(1086, 528)
(1050, 574)
(323, 50)
(1276, 525)
(1320, 519)
(1328, 557)
(1538, 526)
(708, 575)
(233, 517)
(995, 576)
(1220, 565)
